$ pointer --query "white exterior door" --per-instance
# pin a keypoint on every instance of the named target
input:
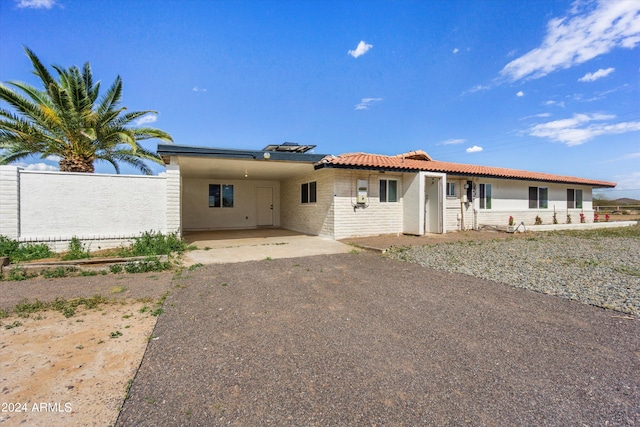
(264, 202)
(432, 205)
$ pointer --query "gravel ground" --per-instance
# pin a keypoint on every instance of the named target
(362, 339)
(604, 272)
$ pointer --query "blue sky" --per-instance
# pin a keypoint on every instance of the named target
(546, 86)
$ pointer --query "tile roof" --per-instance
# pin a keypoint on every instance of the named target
(421, 161)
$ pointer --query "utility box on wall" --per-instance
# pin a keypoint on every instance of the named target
(363, 191)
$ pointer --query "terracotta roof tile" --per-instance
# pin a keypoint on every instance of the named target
(410, 161)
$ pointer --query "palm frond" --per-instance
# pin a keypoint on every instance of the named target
(39, 69)
(112, 97)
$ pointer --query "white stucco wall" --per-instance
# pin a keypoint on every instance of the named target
(101, 210)
(197, 215)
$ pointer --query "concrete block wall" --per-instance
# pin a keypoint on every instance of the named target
(501, 218)
(376, 218)
(101, 210)
(311, 218)
(511, 198)
(9, 202)
(173, 196)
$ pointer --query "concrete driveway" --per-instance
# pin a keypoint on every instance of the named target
(229, 246)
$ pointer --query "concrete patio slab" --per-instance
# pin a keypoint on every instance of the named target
(229, 246)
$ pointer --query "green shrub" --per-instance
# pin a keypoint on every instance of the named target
(57, 272)
(155, 243)
(19, 274)
(23, 251)
(144, 266)
(76, 250)
(115, 268)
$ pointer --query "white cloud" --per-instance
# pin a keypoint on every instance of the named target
(37, 166)
(630, 181)
(456, 50)
(453, 141)
(53, 158)
(477, 88)
(580, 129)
(536, 116)
(520, 94)
(36, 4)
(474, 149)
(591, 30)
(145, 120)
(198, 89)
(367, 102)
(556, 103)
(361, 49)
(589, 77)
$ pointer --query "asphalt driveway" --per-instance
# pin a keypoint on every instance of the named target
(359, 339)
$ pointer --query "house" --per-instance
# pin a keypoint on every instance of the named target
(360, 194)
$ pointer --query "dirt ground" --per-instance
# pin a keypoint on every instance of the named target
(58, 371)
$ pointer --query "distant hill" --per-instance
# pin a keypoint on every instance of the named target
(625, 201)
(616, 202)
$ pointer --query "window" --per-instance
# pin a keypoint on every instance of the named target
(538, 197)
(485, 196)
(579, 199)
(308, 192)
(574, 199)
(220, 195)
(451, 189)
(388, 190)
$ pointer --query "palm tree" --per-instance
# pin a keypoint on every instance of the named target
(67, 120)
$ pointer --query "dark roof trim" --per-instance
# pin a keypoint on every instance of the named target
(167, 150)
(457, 174)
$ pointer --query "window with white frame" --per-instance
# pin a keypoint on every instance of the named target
(221, 196)
(538, 198)
(388, 190)
(308, 192)
(574, 199)
(451, 189)
(485, 196)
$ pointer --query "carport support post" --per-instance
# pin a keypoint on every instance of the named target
(10, 202)
(173, 198)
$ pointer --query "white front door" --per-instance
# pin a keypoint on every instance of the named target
(432, 205)
(264, 202)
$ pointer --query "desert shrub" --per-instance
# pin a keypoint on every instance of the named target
(23, 251)
(76, 250)
(57, 272)
(144, 266)
(155, 243)
(116, 268)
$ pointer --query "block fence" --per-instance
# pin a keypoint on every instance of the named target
(103, 211)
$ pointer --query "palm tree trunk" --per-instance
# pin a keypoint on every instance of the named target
(76, 163)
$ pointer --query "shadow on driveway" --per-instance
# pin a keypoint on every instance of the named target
(359, 339)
